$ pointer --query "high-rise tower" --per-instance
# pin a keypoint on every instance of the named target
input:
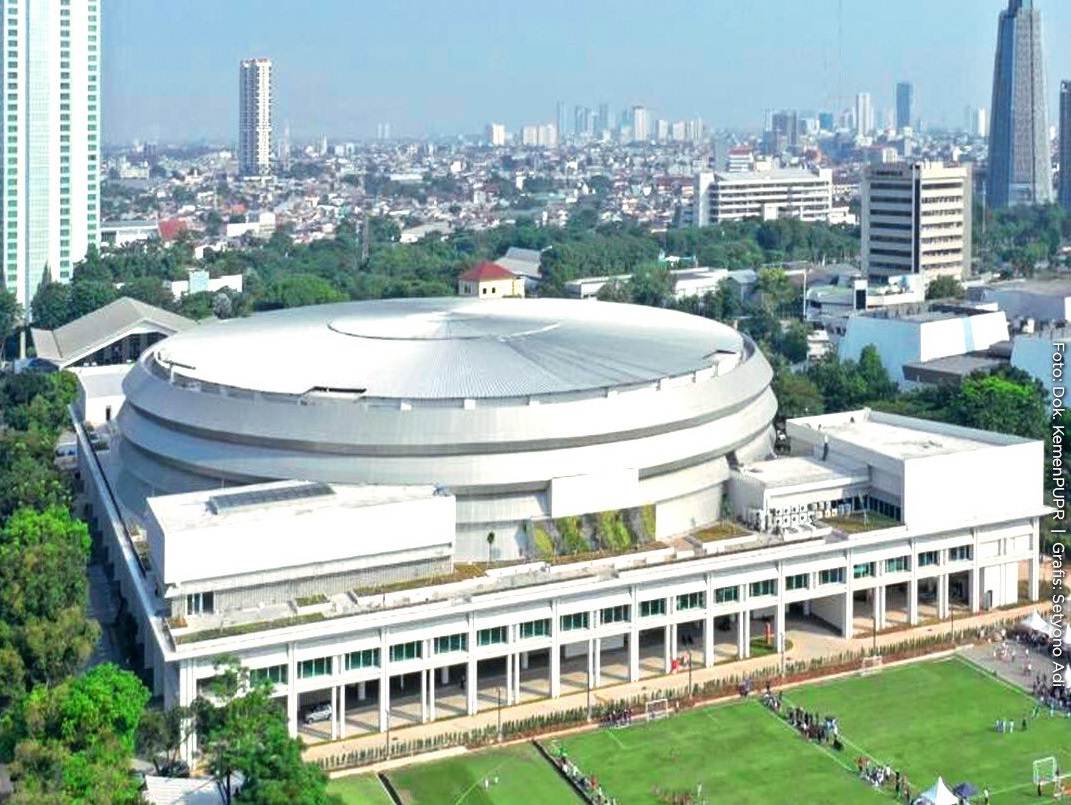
(50, 111)
(864, 114)
(1065, 145)
(904, 105)
(1020, 166)
(254, 117)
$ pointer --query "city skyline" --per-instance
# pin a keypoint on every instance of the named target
(428, 70)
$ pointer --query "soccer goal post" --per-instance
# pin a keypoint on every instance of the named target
(656, 708)
(1044, 770)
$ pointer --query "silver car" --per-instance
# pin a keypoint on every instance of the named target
(322, 712)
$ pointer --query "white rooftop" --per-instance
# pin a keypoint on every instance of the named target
(900, 437)
(178, 791)
(263, 502)
(796, 470)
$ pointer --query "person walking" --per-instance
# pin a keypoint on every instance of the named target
(985, 795)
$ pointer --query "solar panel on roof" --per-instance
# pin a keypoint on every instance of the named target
(264, 497)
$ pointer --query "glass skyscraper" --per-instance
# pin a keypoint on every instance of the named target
(1064, 195)
(1020, 165)
(904, 110)
(50, 111)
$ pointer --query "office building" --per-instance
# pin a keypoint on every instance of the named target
(1020, 166)
(495, 134)
(50, 111)
(583, 122)
(904, 105)
(916, 220)
(641, 124)
(1064, 196)
(734, 195)
(864, 114)
(602, 120)
(560, 119)
(255, 117)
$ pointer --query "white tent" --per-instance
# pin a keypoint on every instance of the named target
(1036, 623)
(939, 794)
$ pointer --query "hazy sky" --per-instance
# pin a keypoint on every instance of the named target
(450, 66)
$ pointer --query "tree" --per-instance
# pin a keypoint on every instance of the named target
(651, 284)
(161, 734)
(797, 395)
(10, 316)
(150, 290)
(1009, 402)
(299, 290)
(878, 385)
(944, 287)
(247, 733)
(490, 545)
(51, 305)
(89, 295)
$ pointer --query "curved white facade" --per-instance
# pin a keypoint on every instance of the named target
(521, 408)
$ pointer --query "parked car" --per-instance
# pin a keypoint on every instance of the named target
(180, 768)
(321, 712)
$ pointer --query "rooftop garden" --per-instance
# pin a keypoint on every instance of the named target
(462, 572)
(859, 522)
(721, 530)
(246, 628)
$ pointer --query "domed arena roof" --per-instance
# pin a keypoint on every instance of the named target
(424, 349)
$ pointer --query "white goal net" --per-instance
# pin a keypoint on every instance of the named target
(1044, 770)
(656, 708)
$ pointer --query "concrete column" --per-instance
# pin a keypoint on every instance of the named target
(342, 711)
(670, 640)
(555, 670)
(334, 712)
(471, 680)
(743, 635)
(779, 627)
(444, 675)
(431, 694)
(423, 696)
(913, 601)
(942, 596)
(517, 678)
(597, 674)
(524, 660)
(879, 607)
(362, 692)
(384, 699)
(976, 592)
(509, 679)
(591, 663)
(291, 689)
(708, 635)
(634, 655)
(1035, 562)
(849, 615)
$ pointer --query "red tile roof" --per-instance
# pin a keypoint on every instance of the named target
(171, 229)
(485, 271)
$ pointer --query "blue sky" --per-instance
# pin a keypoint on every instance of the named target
(450, 66)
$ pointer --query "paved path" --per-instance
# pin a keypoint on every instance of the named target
(807, 644)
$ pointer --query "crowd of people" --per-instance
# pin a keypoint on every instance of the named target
(823, 729)
(588, 786)
(618, 717)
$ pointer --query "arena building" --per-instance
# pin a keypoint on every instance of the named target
(524, 410)
(312, 492)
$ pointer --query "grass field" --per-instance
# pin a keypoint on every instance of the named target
(360, 789)
(926, 719)
(938, 718)
(524, 778)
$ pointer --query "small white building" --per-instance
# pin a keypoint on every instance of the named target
(199, 281)
(921, 337)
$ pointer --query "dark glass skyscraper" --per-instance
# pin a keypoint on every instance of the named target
(1065, 145)
(904, 112)
(1020, 165)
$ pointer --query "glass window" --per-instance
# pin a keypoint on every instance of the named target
(489, 637)
(449, 643)
(797, 582)
(413, 650)
(898, 564)
(691, 601)
(368, 658)
(927, 558)
(538, 628)
(862, 571)
(652, 608)
(765, 587)
(961, 553)
(276, 674)
(321, 666)
(833, 576)
(618, 614)
(196, 603)
(578, 620)
(723, 595)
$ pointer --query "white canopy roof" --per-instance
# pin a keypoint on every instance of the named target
(939, 794)
(1037, 623)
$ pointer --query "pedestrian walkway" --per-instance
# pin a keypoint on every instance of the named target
(807, 645)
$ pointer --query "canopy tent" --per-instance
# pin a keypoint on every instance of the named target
(939, 794)
(1036, 623)
(965, 790)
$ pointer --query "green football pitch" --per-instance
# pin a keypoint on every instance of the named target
(927, 719)
(515, 775)
(360, 789)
